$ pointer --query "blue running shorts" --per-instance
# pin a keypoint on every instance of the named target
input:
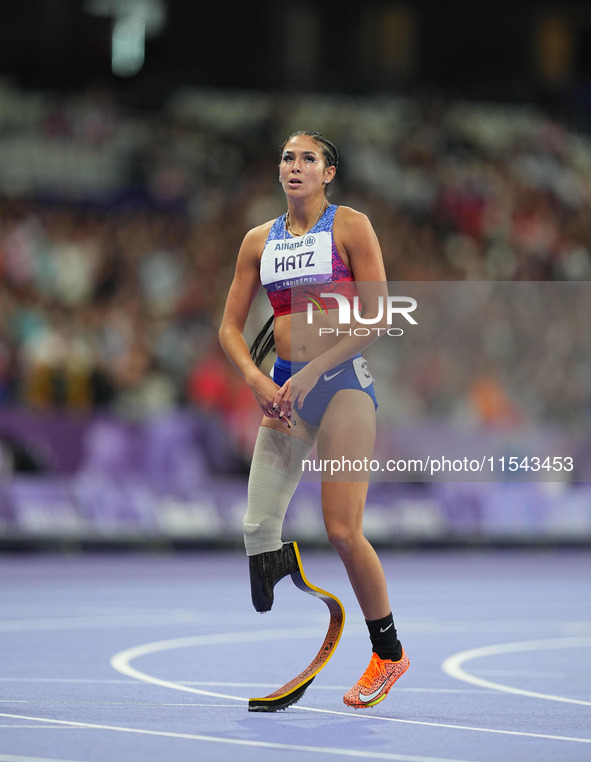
(351, 374)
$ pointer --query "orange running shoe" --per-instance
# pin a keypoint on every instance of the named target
(376, 681)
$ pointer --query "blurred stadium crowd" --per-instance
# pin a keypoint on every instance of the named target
(119, 229)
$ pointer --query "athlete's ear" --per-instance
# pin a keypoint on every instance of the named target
(329, 174)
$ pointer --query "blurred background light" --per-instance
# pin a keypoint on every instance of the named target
(133, 21)
(128, 47)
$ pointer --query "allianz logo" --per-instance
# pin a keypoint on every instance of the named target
(290, 245)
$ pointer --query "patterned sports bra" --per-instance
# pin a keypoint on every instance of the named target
(295, 271)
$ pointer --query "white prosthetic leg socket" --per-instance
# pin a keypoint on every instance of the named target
(275, 472)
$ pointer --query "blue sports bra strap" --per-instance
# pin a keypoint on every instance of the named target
(327, 219)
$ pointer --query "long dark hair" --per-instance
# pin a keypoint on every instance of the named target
(265, 340)
(264, 343)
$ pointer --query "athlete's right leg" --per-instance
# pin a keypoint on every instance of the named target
(274, 475)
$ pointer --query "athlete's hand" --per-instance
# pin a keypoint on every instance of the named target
(295, 390)
(265, 391)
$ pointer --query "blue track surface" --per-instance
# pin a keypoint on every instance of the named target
(152, 658)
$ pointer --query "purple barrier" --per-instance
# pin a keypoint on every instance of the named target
(164, 478)
(43, 441)
(92, 506)
(172, 449)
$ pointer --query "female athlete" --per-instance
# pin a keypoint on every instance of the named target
(320, 390)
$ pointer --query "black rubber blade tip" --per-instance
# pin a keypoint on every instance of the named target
(281, 702)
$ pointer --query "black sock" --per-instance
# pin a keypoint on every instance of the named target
(384, 639)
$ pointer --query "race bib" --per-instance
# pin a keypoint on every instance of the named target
(297, 261)
(362, 372)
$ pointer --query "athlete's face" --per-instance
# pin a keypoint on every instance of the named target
(303, 169)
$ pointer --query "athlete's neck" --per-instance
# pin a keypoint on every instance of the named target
(303, 216)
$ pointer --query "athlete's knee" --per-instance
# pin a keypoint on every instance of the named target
(343, 538)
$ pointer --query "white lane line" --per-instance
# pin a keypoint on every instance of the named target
(135, 704)
(13, 758)
(218, 684)
(359, 754)
(93, 622)
(32, 727)
(452, 666)
(189, 704)
(544, 736)
(339, 688)
(521, 673)
(121, 662)
(83, 680)
(87, 618)
(460, 626)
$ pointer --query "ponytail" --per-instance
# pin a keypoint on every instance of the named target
(264, 343)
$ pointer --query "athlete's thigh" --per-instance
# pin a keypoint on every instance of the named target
(345, 446)
(348, 427)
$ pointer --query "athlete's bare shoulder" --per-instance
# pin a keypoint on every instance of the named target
(260, 233)
(351, 227)
(254, 241)
(348, 217)
(355, 237)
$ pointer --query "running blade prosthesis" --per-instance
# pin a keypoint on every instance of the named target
(266, 569)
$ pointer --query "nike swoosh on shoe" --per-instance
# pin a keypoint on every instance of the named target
(370, 697)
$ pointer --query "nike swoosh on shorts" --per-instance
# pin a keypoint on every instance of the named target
(328, 378)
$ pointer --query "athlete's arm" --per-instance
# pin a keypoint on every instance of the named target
(244, 288)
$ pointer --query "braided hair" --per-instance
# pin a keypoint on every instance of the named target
(263, 343)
